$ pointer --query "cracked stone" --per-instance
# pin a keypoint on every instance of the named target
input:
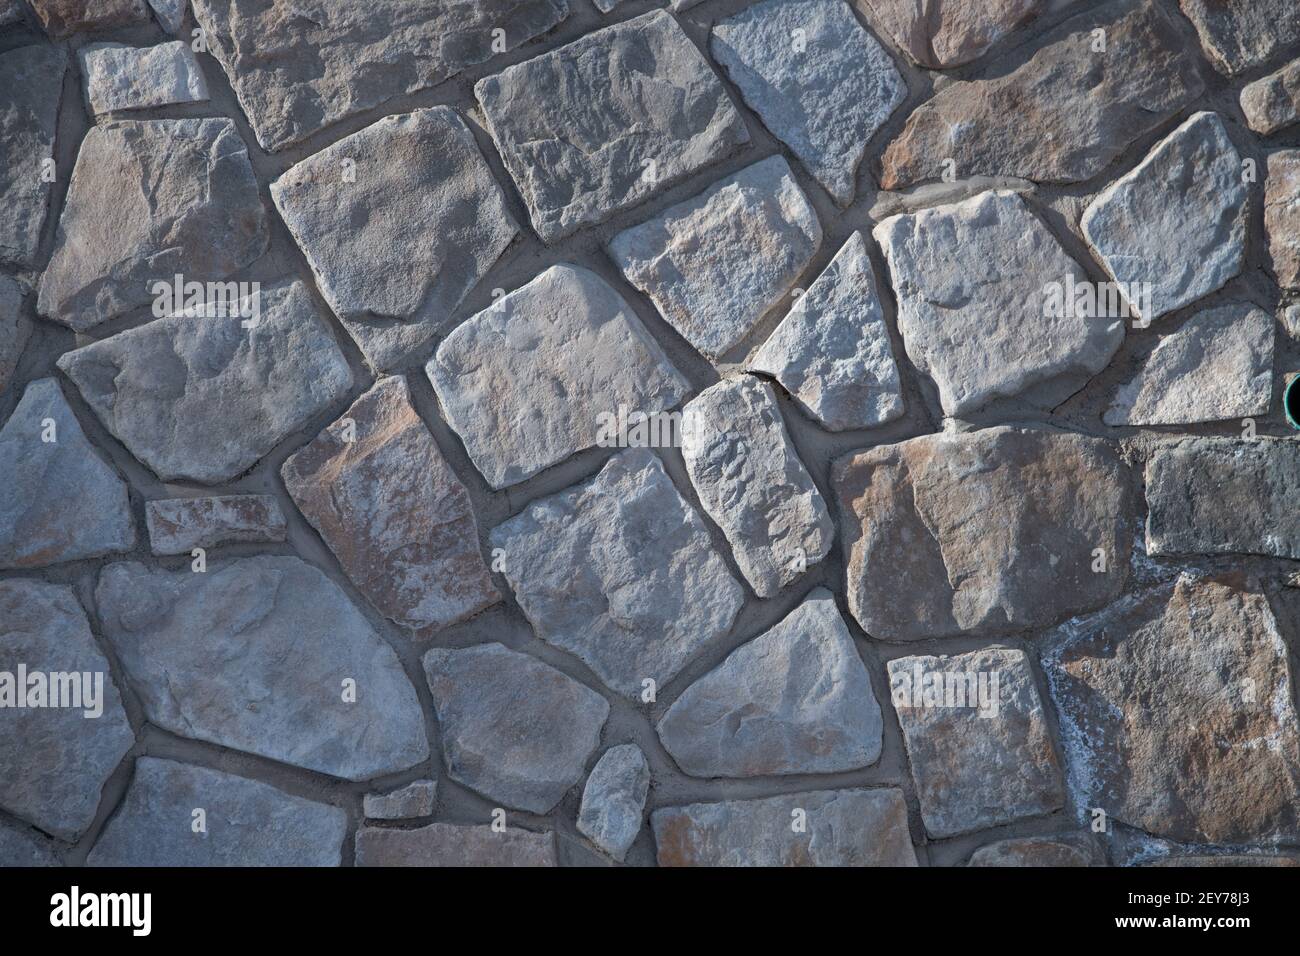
(31, 89)
(17, 847)
(1037, 851)
(201, 397)
(716, 264)
(1241, 34)
(620, 572)
(942, 34)
(179, 525)
(148, 201)
(299, 70)
(527, 382)
(982, 532)
(1282, 216)
(613, 801)
(513, 729)
(248, 823)
(376, 487)
(170, 13)
(276, 662)
(605, 122)
(752, 484)
(817, 79)
(56, 759)
(1273, 102)
(413, 800)
(442, 844)
(975, 310)
(120, 77)
(843, 828)
(15, 328)
(398, 223)
(63, 18)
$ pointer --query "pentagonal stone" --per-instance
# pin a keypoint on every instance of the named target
(1241, 34)
(413, 800)
(178, 525)
(442, 844)
(15, 328)
(940, 36)
(394, 513)
(59, 749)
(31, 88)
(19, 848)
(1273, 102)
(576, 127)
(62, 18)
(620, 572)
(1037, 851)
(613, 800)
(527, 382)
(202, 397)
(277, 662)
(1282, 216)
(120, 77)
(513, 728)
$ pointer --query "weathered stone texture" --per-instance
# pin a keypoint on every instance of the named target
(15, 328)
(1037, 851)
(442, 844)
(1241, 34)
(120, 77)
(19, 848)
(63, 18)
(1282, 216)
(179, 525)
(413, 800)
(613, 800)
(941, 34)
(31, 89)
(1272, 102)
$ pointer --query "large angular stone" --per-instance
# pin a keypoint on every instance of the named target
(974, 306)
(842, 828)
(1282, 216)
(299, 66)
(202, 397)
(1064, 115)
(714, 265)
(62, 18)
(61, 501)
(1177, 714)
(149, 201)
(394, 513)
(120, 77)
(751, 482)
(796, 699)
(513, 728)
(832, 351)
(17, 847)
(443, 844)
(398, 223)
(1174, 227)
(527, 382)
(613, 801)
(31, 89)
(15, 328)
(247, 823)
(178, 525)
(977, 740)
(1037, 851)
(941, 34)
(620, 572)
(1241, 34)
(982, 532)
(55, 759)
(816, 78)
(1273, 102)
(275, 661)
(577, 126)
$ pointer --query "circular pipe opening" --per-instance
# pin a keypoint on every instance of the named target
(1291, 402)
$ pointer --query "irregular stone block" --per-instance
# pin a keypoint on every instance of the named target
(442, 844)
(31, 89)
(1273, 102)
(62, 18)
(120, 77)
(170, 14)
(1224, 859)
(1037, 851)
(179, 525)
(942, 34)
(11, 11)
(413, 800)
(613, 801)
(18, 848)
(1282, 216)
(1241, 34)
(15, 328)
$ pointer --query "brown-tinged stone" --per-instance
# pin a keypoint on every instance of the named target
(1241, 34)
(1282, 216)
(942, 34)
(1273, 102)
(443, 844)
(1037, 851)
(62, 18)
(178, 525)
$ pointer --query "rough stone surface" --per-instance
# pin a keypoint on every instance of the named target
(576, 126)
(148, 201)
(398, 223)
(613, 801)
(11, 11)
(1282, 216)
(15, 328)
(62, 501)
(844, 828)
(203, 398)
(120, 77)
(796, 699)
(17, 847)
(832, 351)
(179, 525)
(62, 18)
(413, 800)
(248, 823)
(270, 646)
(1184, 241)
(394, 513)
(941, 34)
(31, 89)
(442, 844)
(981, 532)
(1064, 115)
(525, 383)
(716, 264)
(170, 13)
(620, 572)
(823, 91)
(752, 484)
(1218, 365)
(1036, 851)
(513, 728)
(1177, 713)
(1240, 34)
(976, 766)
(1225, 859)
(1273, 102)
(974, 309)
(299, 67)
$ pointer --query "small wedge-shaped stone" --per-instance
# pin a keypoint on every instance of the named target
(816, 78)
(975, 311)
(513, 728)
(275, 660)
(1273, 102)
(394, 513)
(122, 77)
(714, 265)
(832, 351)
(202, 397)
(1282, 216)
(31, 89)
(62, 18)
(150, 201)
(413, 800)
(299, 66)
(620, 572)
(20, 848)
(576, 127)
(1064, 115)
(443, 844)
(178, 525)
(170, 14)
(61, 501)
(398, 223)
(56, 756)
(843, 828)
(527, 382)
(613, 802)
(15, 328)
(796, 699)
(1174, 229)
(1241, 34)
(941, 34)
(1177, 714)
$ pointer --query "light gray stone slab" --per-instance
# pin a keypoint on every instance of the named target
(443, 844)
(119, 77)
(31, 91)
(613, 801)
(1272, 102)
(179, 525)
(170, 14)
(1241, 34)
(413, 800)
